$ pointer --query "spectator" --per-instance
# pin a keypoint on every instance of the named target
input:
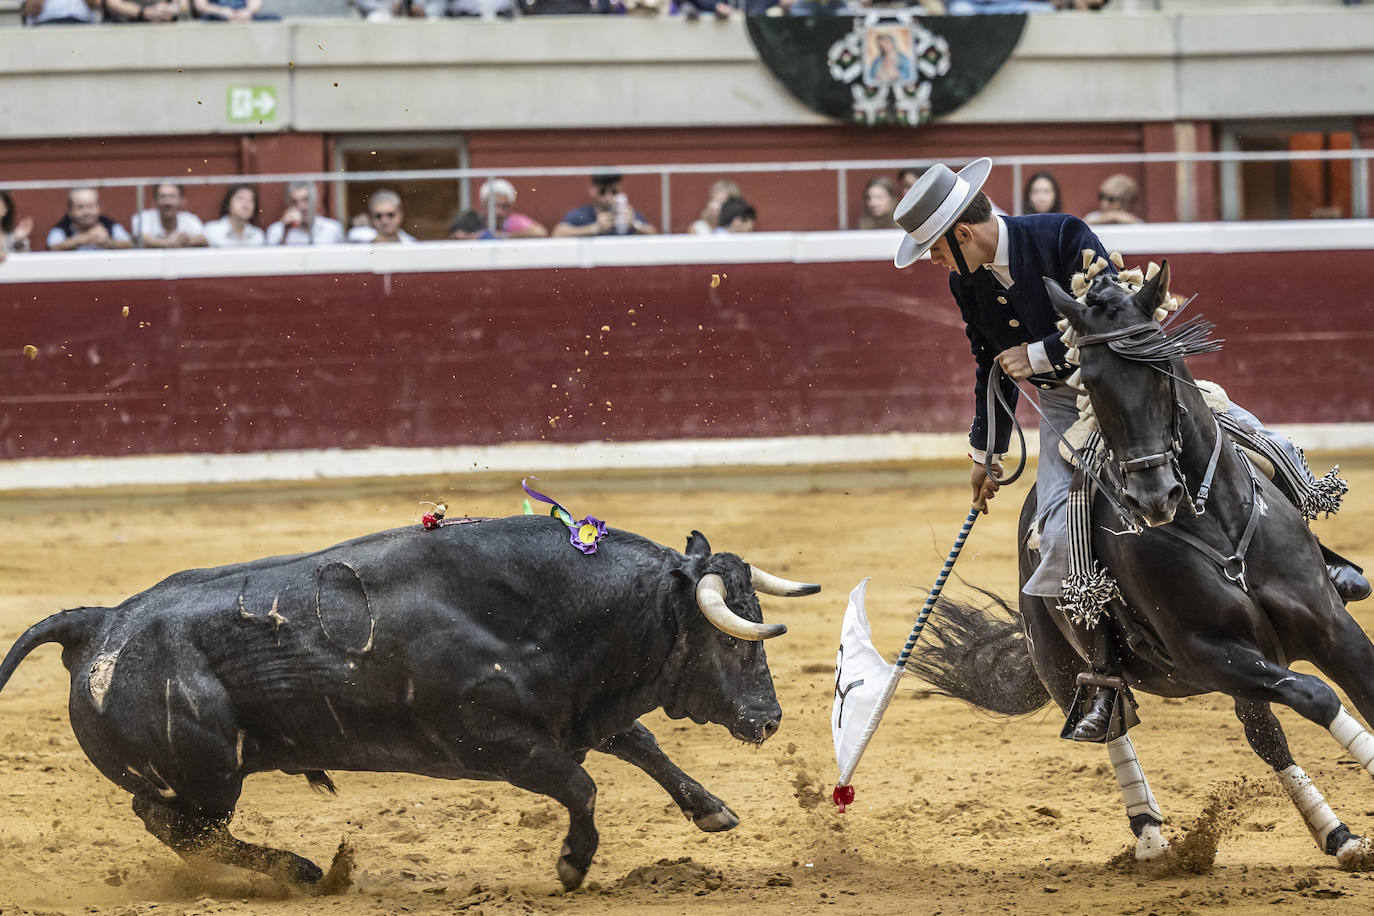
(609, 213)
(234, 228)
(168, 225)
(232, 11)
(382, 10)
(300, 224)
(497, 196)
(85, 228)
(694, 9)
(716, 195)
(469, 226)
(907, 177)
(1041, 194)
(61, 12)
(995, 7)
(14, 233)
(385, 218)
(486, 9)
(737, 215)
(1115, 198)
(880, 200)
(145, 10)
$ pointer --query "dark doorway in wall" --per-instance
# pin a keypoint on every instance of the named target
(1299, 188)
(428, 204)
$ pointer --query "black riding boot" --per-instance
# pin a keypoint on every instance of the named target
(1348, 578)
(1098, 717)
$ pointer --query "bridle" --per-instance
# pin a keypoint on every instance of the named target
(1147, 343)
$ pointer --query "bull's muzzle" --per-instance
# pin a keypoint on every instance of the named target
(711, 600)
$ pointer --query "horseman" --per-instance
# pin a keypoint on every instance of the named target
(996, 266)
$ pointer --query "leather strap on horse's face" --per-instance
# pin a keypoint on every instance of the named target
(958, 254)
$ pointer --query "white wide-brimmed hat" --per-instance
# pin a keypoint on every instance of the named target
(933, 204)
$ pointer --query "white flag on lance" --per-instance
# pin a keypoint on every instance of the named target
(860, 676)
(864, 683)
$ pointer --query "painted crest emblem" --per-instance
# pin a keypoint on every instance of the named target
(885, 68)
(890, 61)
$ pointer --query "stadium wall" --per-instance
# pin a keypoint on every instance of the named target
(569, 341)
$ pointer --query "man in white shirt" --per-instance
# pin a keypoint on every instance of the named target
(384, 216)
(168, 225)
(85, 228)
(300, 224)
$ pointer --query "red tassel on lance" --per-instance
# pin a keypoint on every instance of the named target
(843, 796)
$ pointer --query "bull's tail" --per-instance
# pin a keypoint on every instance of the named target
(69, 628)
(980, 655)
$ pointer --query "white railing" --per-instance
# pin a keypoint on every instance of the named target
(1187, 178)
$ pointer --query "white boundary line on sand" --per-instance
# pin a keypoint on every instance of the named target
(525, 457)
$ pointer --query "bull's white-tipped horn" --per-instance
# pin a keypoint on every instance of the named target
(711, 600)
(777, 586)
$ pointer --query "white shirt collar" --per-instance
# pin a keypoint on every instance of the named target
(1001, 259)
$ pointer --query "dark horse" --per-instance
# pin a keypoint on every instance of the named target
(1216, 623)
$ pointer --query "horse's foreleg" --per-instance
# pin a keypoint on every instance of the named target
(1266, 737)
(1141, 807)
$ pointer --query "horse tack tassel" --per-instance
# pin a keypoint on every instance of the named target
(1089, 588)
(1324, 496)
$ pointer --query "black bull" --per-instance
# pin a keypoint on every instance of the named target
(491, 650)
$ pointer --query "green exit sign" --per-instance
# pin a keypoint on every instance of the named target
(252, 103)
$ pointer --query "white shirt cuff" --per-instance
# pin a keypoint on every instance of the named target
(979, 456)
(1039, 361)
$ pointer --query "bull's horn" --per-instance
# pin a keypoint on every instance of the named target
(711, 600)
(779, 587)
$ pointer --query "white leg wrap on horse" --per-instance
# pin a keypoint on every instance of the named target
(1352, 736)
(1321, 820)
(1135, 790)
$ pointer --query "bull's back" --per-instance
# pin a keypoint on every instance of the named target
(349, 656)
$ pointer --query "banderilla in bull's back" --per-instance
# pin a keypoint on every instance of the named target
(492, 650)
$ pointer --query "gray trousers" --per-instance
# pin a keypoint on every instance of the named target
(1054, 474)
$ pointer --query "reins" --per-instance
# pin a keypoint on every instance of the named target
(1191, 337)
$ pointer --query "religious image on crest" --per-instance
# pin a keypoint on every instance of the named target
(890, 61)
(887, 55)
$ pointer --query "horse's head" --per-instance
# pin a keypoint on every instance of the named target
(1133, 403)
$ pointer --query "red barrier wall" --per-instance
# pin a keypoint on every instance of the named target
(569, 355)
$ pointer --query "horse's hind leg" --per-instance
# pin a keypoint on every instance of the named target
(1266, 737)
(200, 836)
(1141, 807)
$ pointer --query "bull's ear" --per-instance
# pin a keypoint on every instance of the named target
(1065, 304)
(1152, 295)
(697, 546)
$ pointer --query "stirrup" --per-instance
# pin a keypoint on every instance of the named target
(1123, 716)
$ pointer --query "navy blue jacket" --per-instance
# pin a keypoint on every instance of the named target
(996, 319)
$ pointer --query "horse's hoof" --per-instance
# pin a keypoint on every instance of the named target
(1150, 845)
(724, 819)
(1356, 854)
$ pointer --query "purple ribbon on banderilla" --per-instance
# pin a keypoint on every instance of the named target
(584, 534)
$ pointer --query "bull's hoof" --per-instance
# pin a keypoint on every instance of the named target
(569, 872)
(1150, 845)
(724, 819)
(1356, 854)
(570, 875)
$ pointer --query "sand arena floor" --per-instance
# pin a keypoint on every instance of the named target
(957, 812)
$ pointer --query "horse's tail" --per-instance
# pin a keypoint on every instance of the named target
(69, 628)
(981, 656)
